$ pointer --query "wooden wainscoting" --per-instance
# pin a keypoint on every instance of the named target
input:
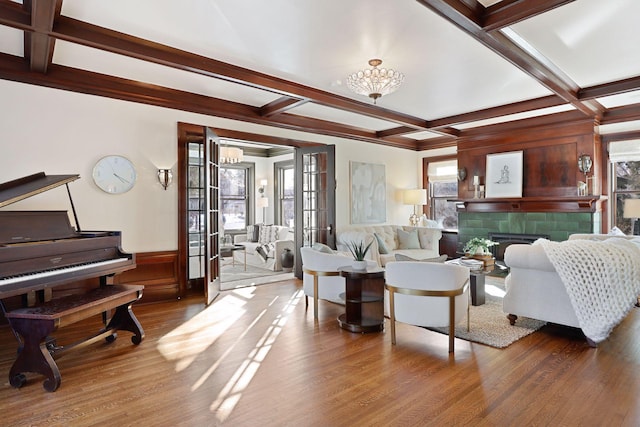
(158, 272)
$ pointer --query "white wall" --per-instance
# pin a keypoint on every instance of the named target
(61, 132)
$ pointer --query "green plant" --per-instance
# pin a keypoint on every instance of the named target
(478, 245)
(358, 249)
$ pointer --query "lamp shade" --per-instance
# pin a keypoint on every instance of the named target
(414, 197)
(631, 208)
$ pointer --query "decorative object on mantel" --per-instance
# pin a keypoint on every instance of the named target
(375, 82)
(476, 183)
(359, 252)
(414, 197)
(478, 248)
(462, 174)
(504, 174)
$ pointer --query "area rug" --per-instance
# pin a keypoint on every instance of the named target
(232, 277)
(489, 324)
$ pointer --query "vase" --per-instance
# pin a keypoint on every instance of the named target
(359, 265)
(286, 260)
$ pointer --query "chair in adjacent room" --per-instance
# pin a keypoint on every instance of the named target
(427, 294)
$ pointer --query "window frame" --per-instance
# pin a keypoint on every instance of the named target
(249, 194)
(279, 169)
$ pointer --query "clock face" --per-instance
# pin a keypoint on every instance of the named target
(114, 174)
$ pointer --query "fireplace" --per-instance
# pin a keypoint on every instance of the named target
(506, 239)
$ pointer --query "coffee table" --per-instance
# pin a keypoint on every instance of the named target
(228, 250)
(476, 281)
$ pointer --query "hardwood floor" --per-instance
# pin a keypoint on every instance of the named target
(257, 358)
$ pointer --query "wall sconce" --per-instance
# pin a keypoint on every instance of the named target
(263, 187)
(462, 174)
(165, 177)
(585, 163)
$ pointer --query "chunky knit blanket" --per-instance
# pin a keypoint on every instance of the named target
(602, 279)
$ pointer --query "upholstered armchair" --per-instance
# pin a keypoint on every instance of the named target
(427, 294)
(321, 278)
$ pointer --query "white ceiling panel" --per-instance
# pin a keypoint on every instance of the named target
(338, 116)
(11, 41)
(592, 41)
(77, 56)
(519, 116)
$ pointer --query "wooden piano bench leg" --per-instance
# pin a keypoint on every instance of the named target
(34, 355)
(124, 320)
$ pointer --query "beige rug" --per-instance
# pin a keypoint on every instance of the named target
(489, 324)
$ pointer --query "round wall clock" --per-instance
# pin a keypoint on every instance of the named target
(114, 174)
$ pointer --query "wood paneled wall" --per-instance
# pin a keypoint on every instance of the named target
(550, 157)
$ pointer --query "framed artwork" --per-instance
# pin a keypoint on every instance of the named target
(368, 193)
(504, 175)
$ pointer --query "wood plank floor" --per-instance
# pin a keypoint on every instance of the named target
(257, 358)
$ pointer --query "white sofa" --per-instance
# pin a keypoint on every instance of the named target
(428, 241)
(534, 288)
(280, 239)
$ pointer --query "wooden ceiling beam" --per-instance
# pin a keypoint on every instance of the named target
(38, 45)
(66, 78)
(611, 88)
(621, 114)
(506, 13)
(281, 105)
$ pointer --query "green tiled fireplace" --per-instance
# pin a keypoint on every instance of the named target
(557, 225)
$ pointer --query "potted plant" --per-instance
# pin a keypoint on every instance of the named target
(359, 251)
(478, 247)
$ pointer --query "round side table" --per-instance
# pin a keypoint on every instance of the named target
(364, 300)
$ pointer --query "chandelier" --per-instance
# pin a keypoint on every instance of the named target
(231, 154)
(375, 82)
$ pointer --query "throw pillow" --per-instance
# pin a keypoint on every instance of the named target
(382, 246)
(441, 258)
(408, 239)
(268, 234)
(321, 247)
(265, 250)
(253, 233)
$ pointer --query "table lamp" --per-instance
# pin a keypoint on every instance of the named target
(414, 197)
(632, 210)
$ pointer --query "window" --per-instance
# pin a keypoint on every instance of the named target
(285, 209)
(235, 195)
(626, 185)
(443, 186)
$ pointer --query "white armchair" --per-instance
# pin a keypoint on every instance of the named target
(321, 278)
(427, 294)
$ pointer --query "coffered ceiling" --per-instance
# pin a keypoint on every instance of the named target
(283, 63)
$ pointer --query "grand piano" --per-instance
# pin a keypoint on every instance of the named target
(39, 251)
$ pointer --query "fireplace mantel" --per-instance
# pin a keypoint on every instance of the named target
(533, 204)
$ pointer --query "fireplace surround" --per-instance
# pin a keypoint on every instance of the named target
(506, 239)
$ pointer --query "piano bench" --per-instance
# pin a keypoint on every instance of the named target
(35, 324)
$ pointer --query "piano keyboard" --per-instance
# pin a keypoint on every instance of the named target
(59, 271)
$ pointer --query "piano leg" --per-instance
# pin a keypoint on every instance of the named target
(34, 355)
(124, 320)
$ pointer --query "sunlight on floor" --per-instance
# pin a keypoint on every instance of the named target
(191, 338)
(494, 290)
(230, 395)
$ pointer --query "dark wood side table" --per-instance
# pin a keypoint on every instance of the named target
(364, 300)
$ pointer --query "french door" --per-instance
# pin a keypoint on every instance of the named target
(212, 223)
(315, 198)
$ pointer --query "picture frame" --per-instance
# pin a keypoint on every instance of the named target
(368, 193)
(504, 175)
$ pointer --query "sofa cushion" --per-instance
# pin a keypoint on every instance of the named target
(382, 246)
(408, 239)
(441, 258)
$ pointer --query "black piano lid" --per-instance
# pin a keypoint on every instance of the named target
(22, 188)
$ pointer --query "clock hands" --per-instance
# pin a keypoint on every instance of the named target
(120, 178)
